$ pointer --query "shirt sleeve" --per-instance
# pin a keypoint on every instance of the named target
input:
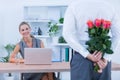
(115, 30)
(70, 34)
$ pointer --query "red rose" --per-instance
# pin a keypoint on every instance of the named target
(98, 22)
(102, 20)
(106, 24)
(90, 24)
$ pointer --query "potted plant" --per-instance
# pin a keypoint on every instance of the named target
(61, 40)
(53, 31)
(61, 20)
(9, 48)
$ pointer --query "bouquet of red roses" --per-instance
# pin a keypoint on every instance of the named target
(99, 39)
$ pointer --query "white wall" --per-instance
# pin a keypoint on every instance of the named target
(116, 57)
(12, 15)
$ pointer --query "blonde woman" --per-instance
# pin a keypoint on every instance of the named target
(27, 41)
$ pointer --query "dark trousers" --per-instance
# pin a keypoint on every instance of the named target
(83, 69)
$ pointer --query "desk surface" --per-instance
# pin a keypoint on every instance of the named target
(115, 67)
(54, 67)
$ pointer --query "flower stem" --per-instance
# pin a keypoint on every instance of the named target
(96, 68)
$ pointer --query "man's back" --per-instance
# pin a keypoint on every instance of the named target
(84, 10)
(91, 9)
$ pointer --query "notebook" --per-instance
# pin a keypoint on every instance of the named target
(38, 56)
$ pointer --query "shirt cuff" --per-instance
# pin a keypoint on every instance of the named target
(84, 54)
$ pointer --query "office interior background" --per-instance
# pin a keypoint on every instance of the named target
(12, 12)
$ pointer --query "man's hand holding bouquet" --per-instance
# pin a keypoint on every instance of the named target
(99, 42)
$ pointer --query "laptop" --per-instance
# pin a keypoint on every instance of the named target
(38, 56)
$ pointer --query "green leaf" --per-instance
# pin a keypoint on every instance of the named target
(61, 40)
(92, 31)
(107, 37)
(104, 46)
(108, 43)
(61, 20)
(53, 29)
(9, 48)
(109, 51)
(96, 68)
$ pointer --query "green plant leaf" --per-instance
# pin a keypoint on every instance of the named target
(9, 48)
(61, 40)
(104, 46)
(53, 29)
(109, 51)
(92, 31)
(61, 20)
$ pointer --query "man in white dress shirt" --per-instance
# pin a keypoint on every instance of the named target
(74, 32)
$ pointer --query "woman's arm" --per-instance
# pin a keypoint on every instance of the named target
(12, 58)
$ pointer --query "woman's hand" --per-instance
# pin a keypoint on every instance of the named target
(15, 60)
(19, 61)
